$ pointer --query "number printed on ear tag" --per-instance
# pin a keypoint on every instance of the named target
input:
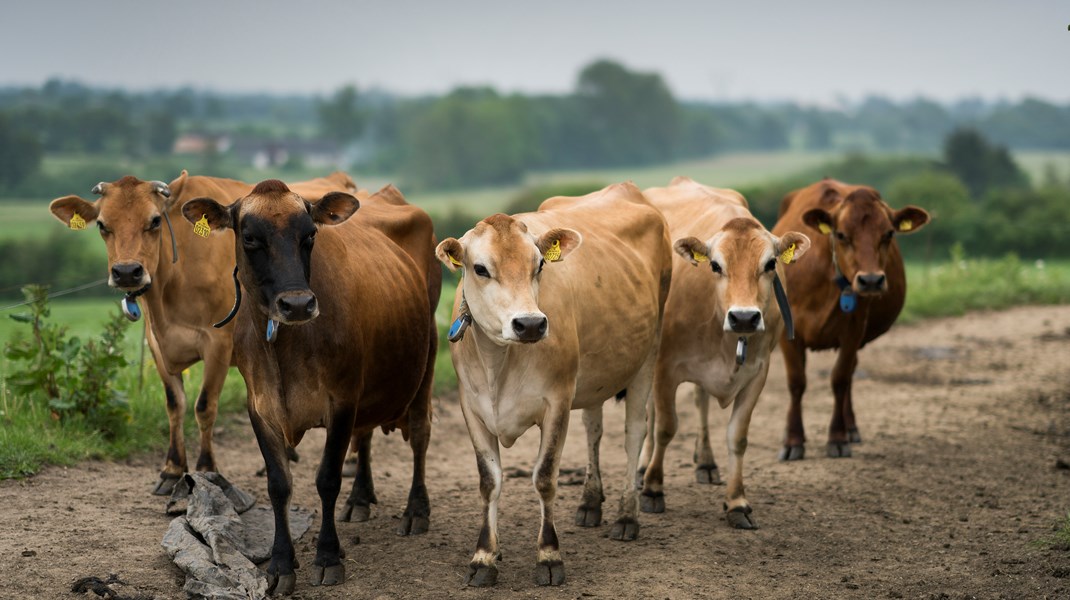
(202, 228)
(77, 222)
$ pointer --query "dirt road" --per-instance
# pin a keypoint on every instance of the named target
(964, 422)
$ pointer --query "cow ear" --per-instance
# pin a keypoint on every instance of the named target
(213, 213)
(819, 219)
(693, 249)
(556, 244)
(791, 246)
(909, 219)
(334, 208)
(450, 253)
(73, 211)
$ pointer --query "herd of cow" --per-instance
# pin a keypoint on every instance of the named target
(329, 314)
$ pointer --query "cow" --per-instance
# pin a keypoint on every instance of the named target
(184, 291)
(546, 338)
(845, 293)
(335, 331)
(720, 327)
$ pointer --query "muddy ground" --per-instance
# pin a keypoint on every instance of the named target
(960, 479)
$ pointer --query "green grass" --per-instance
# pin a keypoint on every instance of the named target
(1036, 162)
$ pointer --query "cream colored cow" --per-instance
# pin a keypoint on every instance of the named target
(719, 328)
(547, 337)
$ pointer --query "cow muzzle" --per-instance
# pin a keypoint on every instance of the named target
(744, 320)
(871, 284)
(529, 328)
(128, 276)
(296, 307)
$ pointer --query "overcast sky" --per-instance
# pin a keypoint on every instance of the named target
(808, 50)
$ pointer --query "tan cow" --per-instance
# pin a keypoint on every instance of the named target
(546, 338)
(184, 281)
(720, 326)
(335, 330)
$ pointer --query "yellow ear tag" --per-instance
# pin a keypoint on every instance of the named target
(699, 257)
(201, 227)
(906, 225)
(77, 222)
(788, 255)
(455, 262)
(553, 254)
(824, 228)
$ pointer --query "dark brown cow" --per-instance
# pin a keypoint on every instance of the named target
(338, 337)
(846, 292)
(184, 295)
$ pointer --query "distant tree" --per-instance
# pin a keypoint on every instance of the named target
(20, 153)
(340, 117)
(980, 164)
(160, 132)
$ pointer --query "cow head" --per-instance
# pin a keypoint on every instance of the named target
(129, 215)
(502, 262)
(863, 230)
(274, 232)
(743, 256)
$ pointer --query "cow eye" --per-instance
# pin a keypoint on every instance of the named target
(888, 235)
(771, 265)
(716, 267)
(481, 271)
(249, 242)
(840, 236)
(310, 239)
(154, 224)
(542, 263)
(103, 228)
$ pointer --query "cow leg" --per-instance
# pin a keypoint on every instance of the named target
(549, 568)
(327, 567)
(483, 570)
(358, 505)
(349, 467)
(648, 447)
(706, 470)
(737, 509)
(849, 423)
(280, 571)
(795, 365)
(652, 498)
(842, 374)
(589, 514)
(626, 528)
(216, 363)
(175, 464)
(416, 518)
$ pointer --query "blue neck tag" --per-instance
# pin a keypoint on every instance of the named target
(458, 328)
(272, 330)
(131, 309)
(848, 301)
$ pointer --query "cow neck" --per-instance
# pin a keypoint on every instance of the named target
(848, 300)
(492, 358)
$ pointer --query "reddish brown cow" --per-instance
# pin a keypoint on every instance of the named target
(335, 331)
(846, 292)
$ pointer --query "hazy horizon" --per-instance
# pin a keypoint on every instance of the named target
(822, 52)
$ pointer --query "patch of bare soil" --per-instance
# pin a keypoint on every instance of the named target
(965, 422)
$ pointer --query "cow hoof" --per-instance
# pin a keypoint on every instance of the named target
(792, 453)
(166, 484)
(281, 585)
(332, 575)
(589, 516)
(625, 529)
(413, 525)
(550, 573)
(481, 575)
(740, 518)
(853, 436)
(356, 513)
(839, 449)
(652, 502)
(708, 474)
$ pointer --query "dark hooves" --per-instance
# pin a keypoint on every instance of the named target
(550, 573)
(356, 513)
(652, 502)
(281, 585)
(740, 518)
(853, 436)
(413, 525)
(589, 516)
(166, 484)
(625, 530)
(481, 575)
(792, 453)
(839, 449)
(332, 575)
(708, 474)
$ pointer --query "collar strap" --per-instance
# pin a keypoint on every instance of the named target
(237, 302)
(785, 307)
(174, 244)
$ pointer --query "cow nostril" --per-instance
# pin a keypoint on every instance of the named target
(518, 326)
(310, 306)
(744, 320)
(530, 328)
(137, 272)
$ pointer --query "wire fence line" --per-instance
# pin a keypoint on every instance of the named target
(77, 288)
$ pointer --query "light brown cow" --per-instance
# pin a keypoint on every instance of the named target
(335, 330)
(543, 342)
(183, 295)
(719, 330)
(845, 293)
